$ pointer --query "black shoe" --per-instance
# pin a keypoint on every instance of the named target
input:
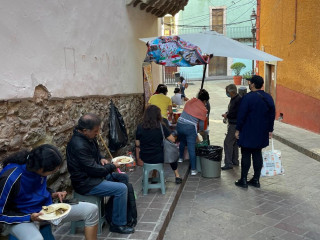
(235, 164)
(121, 229)
(178, 180)
(226, 168)
(242, 182)
(254, 182)
(133, 223)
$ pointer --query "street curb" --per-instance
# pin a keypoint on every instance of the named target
(301, 149)
(172, 207)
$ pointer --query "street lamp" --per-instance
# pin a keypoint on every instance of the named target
(253, 19)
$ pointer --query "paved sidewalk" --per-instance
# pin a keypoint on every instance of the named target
(300, 139)
(154, 209)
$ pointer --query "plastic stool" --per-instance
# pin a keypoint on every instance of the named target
(99, 201)
(146, 185)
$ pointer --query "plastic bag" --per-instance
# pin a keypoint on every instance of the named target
(118, 136)
(272, 164)
(210, 152)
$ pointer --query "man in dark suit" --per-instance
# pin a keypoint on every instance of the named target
(254, 128)
(231, 149)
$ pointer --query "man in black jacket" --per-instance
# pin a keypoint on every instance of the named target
(91, 174)
(231, 150)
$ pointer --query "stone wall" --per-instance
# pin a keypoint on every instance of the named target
(26, 123)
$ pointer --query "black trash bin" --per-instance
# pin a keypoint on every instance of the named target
(210, 157)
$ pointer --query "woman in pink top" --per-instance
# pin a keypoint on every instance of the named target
(194, 111)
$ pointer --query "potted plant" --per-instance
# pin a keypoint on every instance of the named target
(246, 76)
(237, 67)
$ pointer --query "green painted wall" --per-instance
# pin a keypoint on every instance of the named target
(196, 18)
(197, 13)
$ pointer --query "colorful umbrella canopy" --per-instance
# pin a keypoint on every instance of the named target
(172, 51)
(217, 44)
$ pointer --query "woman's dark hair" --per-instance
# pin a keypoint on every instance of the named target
(45, 157)
(88, 121)
(151, 117)
(176, 90)
(203, 95)
(163, 89)
(159, 86)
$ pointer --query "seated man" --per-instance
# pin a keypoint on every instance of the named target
(91, 174)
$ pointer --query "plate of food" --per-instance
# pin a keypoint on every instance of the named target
(123, 159)
(55, 211)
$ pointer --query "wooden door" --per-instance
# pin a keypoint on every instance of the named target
(270, 81)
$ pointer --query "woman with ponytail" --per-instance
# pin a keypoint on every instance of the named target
(194, 112)
(23, 187)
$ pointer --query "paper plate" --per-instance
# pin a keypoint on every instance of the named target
(53, 215)
(123, 159)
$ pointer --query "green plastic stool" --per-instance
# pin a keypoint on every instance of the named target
(99, 201)
(146, 185)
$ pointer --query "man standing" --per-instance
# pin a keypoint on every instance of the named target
(231, 151)
(183, 86)
(91, 174)
(254, 128)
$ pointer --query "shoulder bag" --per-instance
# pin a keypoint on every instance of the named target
(170, 150)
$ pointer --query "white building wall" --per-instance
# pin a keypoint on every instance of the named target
(73, 48)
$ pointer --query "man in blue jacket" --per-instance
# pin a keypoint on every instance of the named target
(254, 128)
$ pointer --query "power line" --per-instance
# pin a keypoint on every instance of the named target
(229, 8)
(240, 15)
(203, 26)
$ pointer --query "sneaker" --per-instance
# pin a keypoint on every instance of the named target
(254, 182)
(180, 160)
(226, 168)
(178, 180)
(194, 172)
(242, 182)
(121, 229)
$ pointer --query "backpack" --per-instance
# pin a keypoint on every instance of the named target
(131, 207)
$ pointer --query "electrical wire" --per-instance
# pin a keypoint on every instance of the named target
(240, 15)
(201, 26)
(227, 8)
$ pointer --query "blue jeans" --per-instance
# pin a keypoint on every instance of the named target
(187, 135)
(110, 187)
(29, 230)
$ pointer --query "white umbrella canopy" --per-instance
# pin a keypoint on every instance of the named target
(211, 42)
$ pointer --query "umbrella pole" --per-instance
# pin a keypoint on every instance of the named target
(204, 75)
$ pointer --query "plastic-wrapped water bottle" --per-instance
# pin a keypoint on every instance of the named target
(131, 166)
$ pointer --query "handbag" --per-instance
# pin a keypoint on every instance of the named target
(170, 150)
(272, 164)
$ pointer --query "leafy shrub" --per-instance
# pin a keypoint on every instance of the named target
(237, 67)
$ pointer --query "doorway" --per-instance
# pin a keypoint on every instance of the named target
(270, 80)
